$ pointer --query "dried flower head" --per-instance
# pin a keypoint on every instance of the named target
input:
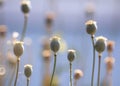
(109, 63)
(110, 46)
(71, 55)
(100, 44)
(91, 27)
(49, 18)
(55, 45)
(46, 55)
(3, 30)
(25, 6)
(78, 74)
(28, 70)
(18, 48)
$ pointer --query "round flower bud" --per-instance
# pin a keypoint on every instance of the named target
(55, 45)
(25, 6)
(78, 74)
(28, 70)
(100, 44)
(91, 27)
(109, 63)
(71, 55)
(18, 49)
(110, 46)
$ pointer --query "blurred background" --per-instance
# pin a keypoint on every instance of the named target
(69, 17)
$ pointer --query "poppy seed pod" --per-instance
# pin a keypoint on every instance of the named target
(71, 55)
(18, 49)
(78, 74)
(55, 45)
(100, 44)
(25, 6)
(91, 27)
(28, 70)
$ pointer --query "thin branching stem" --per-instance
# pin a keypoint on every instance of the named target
(93, 65)
(54, 67)
(99, 66)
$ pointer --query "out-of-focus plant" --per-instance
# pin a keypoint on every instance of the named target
(18, 51)
(109, 61)
(28, 72)
(55, 46)
(71, 56)
(91, 28)
(100, 47)
(77, 75)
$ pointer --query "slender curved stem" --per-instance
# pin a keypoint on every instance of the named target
(55, 58)
(93, 65)
(18, 61)
(99, 63)
(70, 74)
(24, 27)
(28, 80)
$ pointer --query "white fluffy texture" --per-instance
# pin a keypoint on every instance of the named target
(71, 50)
(78, 71)
(110, 59)
(55, 38)
(89, 22)
(15, 34)
(26, 2)
(28, 65)
(101, 38)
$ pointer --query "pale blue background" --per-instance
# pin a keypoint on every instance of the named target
(70, 23)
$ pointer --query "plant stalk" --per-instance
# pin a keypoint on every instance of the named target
(54, 67)
(93, 65)
(99, 66)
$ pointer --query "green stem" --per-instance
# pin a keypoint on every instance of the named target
(28, 80)
(17, 72)
(70, 74)
(24, 27)
(93, 65)
(55, 58)
(99, 63)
